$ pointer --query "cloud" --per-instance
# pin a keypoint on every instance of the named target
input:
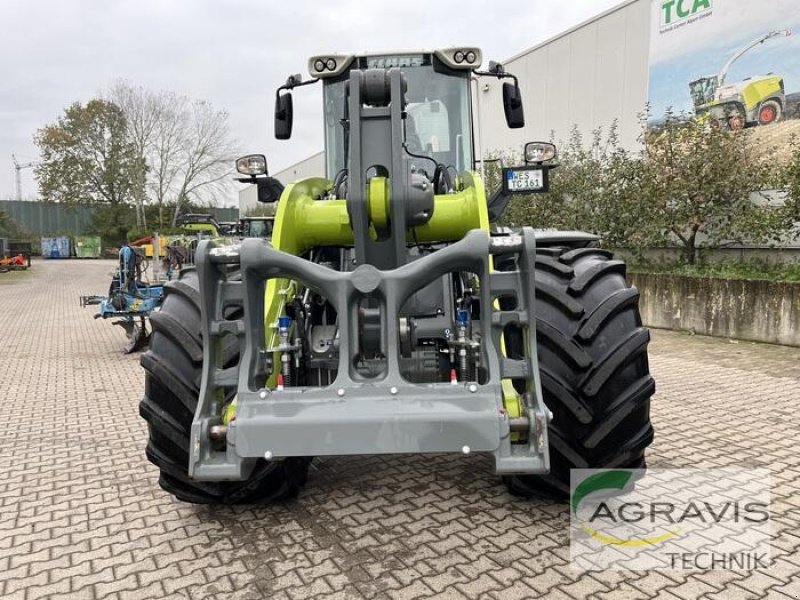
(233, 54)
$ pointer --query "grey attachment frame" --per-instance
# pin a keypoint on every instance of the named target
(356, 415)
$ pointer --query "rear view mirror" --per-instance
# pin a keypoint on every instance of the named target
(283, 116)
(512, 105)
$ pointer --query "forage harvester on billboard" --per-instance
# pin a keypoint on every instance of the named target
(734, 63)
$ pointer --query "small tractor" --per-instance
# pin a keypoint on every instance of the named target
(754, 101)
(14, 263)
(384, 316)
(130, 301)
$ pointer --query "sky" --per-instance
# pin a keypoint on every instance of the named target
(233, 54)
(702, 48)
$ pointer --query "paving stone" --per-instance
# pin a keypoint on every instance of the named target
(82, 516)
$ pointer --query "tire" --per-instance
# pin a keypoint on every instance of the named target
(736, 121)
(770, 112)
(592, 352)
(173, 368)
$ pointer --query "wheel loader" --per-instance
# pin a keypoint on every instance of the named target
(388, 315)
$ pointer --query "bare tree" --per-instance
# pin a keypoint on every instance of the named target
(142, 113)
(206, 156)
(185, 149)
(168, 143)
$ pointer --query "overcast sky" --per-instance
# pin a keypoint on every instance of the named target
(232, 53)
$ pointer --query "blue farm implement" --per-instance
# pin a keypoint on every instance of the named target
(129, 301)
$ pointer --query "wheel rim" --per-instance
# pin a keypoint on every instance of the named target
(768, 114)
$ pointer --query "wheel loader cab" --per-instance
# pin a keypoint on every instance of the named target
(438, 120)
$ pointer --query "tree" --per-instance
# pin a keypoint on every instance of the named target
(692, 185)
(205, 156)
(185, 148)
(707, 186)
(87, 157)
(7, 225)
(142, 112)
(790, 179)
(595, 188)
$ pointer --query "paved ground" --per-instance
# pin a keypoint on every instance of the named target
(83, 517)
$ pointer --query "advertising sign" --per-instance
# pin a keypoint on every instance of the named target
(734, 61)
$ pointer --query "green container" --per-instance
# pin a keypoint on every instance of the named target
(88, 246)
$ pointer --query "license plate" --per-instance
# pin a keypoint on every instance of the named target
(527, 180)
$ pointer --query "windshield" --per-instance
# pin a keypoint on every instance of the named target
(257, 229)
(438, 123)
(703, 90)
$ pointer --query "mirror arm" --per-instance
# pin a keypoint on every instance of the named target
(293, 82)
(502, 75)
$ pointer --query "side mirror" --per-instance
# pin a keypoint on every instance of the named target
(283, 116)
(512, 105)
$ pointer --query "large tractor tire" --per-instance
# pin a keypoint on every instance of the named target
(173, 368)
(593, 365)
(770, 112)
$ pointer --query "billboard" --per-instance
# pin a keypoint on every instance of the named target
(734, 61)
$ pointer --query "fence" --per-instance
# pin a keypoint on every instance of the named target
(48, 219)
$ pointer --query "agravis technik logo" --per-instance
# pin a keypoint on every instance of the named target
(670, 519)
(615, 480)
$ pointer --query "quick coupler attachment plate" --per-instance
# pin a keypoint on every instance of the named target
(381, 412)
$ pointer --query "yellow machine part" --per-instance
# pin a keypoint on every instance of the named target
(755, 92)
(148, 248)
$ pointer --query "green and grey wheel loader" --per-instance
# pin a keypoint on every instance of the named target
(385, 317)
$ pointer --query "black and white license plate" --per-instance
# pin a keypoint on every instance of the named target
(525, 179)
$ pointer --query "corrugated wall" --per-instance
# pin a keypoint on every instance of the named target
(41, 218)
(587, 77)
(45, 218)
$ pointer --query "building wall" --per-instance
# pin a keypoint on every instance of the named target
(313, 166)
(248, 199)
(586, 77)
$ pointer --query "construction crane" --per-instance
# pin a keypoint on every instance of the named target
(17, 176)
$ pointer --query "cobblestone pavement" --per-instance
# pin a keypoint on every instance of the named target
(83, 517)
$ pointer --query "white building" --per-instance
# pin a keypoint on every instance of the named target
(589, 76)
